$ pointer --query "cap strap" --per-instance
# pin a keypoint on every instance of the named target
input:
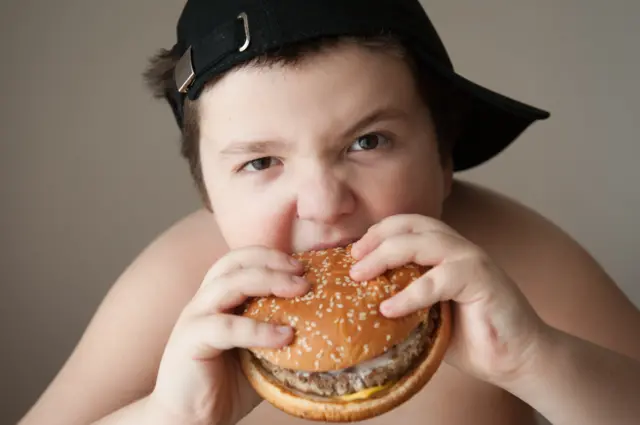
(205, 53)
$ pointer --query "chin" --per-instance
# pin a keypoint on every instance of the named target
(347, 362)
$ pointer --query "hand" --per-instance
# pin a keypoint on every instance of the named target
(199, 380)
(495, 330)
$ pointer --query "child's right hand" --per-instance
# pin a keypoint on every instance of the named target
(199, 381)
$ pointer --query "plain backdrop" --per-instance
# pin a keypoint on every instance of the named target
(90, 171)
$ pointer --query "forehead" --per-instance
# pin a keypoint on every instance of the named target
(325, 90)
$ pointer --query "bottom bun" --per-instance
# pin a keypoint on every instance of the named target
(316, 408)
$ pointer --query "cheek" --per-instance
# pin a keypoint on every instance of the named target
(248, 217)
(410, 188)
(241, 225)
(244, 228)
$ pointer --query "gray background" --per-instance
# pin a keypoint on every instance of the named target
(90, 172)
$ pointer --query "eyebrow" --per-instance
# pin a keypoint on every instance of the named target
(264, 147)
(377, 115)
(261, 147)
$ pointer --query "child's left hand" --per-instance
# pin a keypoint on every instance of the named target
(495, 330)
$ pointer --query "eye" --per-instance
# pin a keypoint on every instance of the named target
(260, 164)
(369, 142)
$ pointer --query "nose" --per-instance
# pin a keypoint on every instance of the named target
(323, 195)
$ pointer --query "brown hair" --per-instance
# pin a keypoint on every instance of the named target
(445, 104)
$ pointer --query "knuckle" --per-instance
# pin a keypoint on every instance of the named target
(262, 277)
(224, 324)
(423, 288)
(261, 331)
(221, 331)
(480, 264)
(478, 258)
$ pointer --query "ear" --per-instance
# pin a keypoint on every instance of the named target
(447, 175)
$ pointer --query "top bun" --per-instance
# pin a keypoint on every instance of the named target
(337, 323)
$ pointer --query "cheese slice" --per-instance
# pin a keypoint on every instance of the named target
(366, 393)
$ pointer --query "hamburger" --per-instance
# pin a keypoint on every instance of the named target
(347, 362)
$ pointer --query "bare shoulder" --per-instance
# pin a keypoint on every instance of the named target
(117, 358)
(562, 280)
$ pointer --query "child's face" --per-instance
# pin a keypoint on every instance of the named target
(297, 158)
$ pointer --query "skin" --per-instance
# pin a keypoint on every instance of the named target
(322, 188)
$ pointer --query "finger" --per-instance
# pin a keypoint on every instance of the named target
(254, 256)
(426, 249)
(396, 225)
(232, 289)
(210, 335)
(457, 281)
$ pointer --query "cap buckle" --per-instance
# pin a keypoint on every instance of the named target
(184, 73)
(247, 35)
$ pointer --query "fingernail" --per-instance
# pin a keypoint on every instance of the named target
(294, 262)
(299, 280)
(387, 307)
(284, 330)
(357, 271)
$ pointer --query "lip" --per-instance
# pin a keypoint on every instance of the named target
(329, 245)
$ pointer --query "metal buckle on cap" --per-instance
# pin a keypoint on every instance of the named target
(184, 73)
(247, 34)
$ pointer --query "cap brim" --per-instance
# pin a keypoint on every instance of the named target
(492, 123)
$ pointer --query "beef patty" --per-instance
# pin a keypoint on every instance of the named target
(386, 368)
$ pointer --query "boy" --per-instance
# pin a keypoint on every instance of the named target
(324, 122)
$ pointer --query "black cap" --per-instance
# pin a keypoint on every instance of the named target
(217, 35)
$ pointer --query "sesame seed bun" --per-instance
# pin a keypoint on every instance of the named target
(338, 326)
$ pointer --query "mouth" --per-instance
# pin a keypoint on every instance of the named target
(328, 245)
